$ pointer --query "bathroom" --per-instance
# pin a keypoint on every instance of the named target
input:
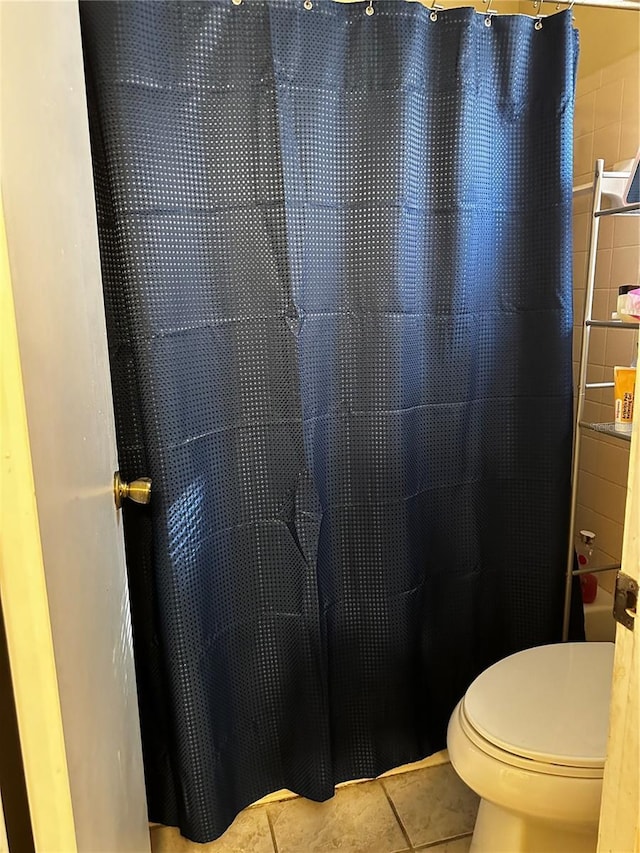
(99, 810)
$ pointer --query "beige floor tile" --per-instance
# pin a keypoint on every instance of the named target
(358, 819)
(249, 833)
(441, 757)
(433, 804)
(458, 845)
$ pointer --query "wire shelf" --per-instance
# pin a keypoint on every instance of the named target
(607, 429)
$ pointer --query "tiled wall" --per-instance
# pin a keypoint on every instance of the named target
(607, 122)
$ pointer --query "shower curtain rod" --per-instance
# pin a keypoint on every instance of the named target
(627, 5)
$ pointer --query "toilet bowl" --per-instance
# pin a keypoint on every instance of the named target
(529, 737)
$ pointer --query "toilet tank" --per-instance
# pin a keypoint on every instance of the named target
(599, 624)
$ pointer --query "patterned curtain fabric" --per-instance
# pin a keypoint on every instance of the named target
(337, 267)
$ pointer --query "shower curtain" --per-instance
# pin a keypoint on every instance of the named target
(337, 268)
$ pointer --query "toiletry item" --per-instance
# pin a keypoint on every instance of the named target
(624, 380)
(588, 588)
(588, 581)
(628, 303)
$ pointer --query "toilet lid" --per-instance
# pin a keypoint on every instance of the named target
(549, 704)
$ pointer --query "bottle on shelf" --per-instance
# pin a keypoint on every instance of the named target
(628, 303)
(588, 581)
(624, 383)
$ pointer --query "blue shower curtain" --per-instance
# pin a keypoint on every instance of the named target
(337, 267)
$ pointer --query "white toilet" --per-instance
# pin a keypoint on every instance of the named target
(529, 737)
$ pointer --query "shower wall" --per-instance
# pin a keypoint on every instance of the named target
(607, 126)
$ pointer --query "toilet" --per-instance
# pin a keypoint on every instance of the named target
(529, 737)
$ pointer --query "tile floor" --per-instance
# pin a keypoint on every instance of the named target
(424, 809)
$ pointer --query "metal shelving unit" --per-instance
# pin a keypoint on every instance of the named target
(605, 184)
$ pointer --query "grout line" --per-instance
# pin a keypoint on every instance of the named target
(397, 816)
(272, 831)
(431, 844)
(406, 773)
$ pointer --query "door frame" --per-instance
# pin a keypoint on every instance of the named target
(63, 579)
(619, 830)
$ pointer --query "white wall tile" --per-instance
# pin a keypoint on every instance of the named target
(630, 96)
(629, 136)
(620, 348)
(584, 115)
(612, 98)
(608, 105)
(589, 453)
(582, 202)
(600, 307)
(595, 373)
(606, 143)
(626, 231)
(583, 158)
(576, 347)
(578, 308)
(581, 232)
(605, 237)
(603, 268)
(625, 266)
(607, 498)
(589, 83)
(579, 270)
(597, 348)
(591, 410)
(610, 461)
(618, 70)
(608, 532)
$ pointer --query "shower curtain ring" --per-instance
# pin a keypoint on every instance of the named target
(237, 2)
(369, 10)
(571, 4)
(308, 5)
(489, 12)
(435, 7)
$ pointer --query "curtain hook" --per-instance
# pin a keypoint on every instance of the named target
(538, 23)
(308, 5)
(435, 6)
(369, 10)
(237, 2)
(488, 13)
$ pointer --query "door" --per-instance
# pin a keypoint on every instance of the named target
(79, 725)
(24, 605)
(63, 581)
(620, 814)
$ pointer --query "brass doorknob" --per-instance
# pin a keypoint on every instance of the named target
(138, 490)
